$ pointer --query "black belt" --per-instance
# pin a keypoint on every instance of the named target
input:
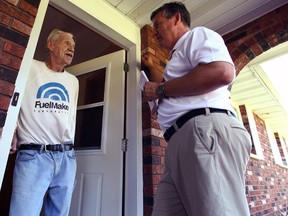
(191, 114)
(49, 147)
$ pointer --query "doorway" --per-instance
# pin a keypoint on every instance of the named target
(89, 45)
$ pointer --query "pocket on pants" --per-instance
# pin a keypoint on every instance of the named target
(205, 131)
(71, 154)
(26, 155)
(242, 130)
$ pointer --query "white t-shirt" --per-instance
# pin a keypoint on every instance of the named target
(48, 111)
(198, 46)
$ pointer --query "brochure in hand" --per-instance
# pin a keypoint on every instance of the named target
(143, 79)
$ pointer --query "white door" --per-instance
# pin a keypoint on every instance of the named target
(99, 131)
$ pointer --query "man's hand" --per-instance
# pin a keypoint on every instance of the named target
(150, 90)
(147, 61)
(13, 147)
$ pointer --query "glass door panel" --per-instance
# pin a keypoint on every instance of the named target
(90, 110)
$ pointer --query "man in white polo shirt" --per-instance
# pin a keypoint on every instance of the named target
(208, 147)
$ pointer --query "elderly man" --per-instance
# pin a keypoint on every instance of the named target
(46, 165)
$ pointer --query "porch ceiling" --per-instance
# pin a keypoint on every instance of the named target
(253, 88)
(222, 16)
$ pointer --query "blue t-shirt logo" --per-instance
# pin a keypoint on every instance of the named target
(53, 91)
(55, 95)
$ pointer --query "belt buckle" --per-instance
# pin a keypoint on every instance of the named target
(45, 149)
(62, 149)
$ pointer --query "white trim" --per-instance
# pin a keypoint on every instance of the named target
(253, 130)
(254, 133)
(134, 157)
(274, 146)
(282, 142)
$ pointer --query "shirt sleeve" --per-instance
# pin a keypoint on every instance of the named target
(207, 46)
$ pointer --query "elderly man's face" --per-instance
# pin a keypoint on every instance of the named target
(62, 49)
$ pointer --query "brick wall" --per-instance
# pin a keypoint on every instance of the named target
(266, 183)
(16, 21)
(153, 145)
(258, 36)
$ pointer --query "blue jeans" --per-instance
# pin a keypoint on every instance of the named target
(43, 178)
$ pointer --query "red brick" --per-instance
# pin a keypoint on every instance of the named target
(4, 102)
(21, 27)
(157, 169)
(256, 49)
(4, 19)
(155, 124)
(14, 49)
(152, 180)
(13, 2)
(28, 8)
(156, 179)
(148, 190)
(16, 13)
(6, 88)
(155, 150)
(163, 143)
(10, 61)
(2, 41)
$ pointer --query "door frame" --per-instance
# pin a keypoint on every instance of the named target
(110, 23)
(12, 113)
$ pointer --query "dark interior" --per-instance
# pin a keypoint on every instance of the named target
(89, 44)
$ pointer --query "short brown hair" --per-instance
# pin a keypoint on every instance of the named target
(170, 9)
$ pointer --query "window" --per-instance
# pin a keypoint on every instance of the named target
(90, 110)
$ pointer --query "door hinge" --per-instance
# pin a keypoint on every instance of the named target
(124, 145)
(126, 67)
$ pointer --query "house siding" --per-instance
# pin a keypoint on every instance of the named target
(266, 182)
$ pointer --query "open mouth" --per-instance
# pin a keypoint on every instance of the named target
(69, 54)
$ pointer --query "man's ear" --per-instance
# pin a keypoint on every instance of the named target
(178, 18)
(50, 46)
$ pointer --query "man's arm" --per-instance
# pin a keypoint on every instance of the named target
(202, 79)
(155, 76)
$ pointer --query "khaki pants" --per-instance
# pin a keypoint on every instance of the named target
(205, 165)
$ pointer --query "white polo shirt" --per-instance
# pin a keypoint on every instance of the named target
(197, 46)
